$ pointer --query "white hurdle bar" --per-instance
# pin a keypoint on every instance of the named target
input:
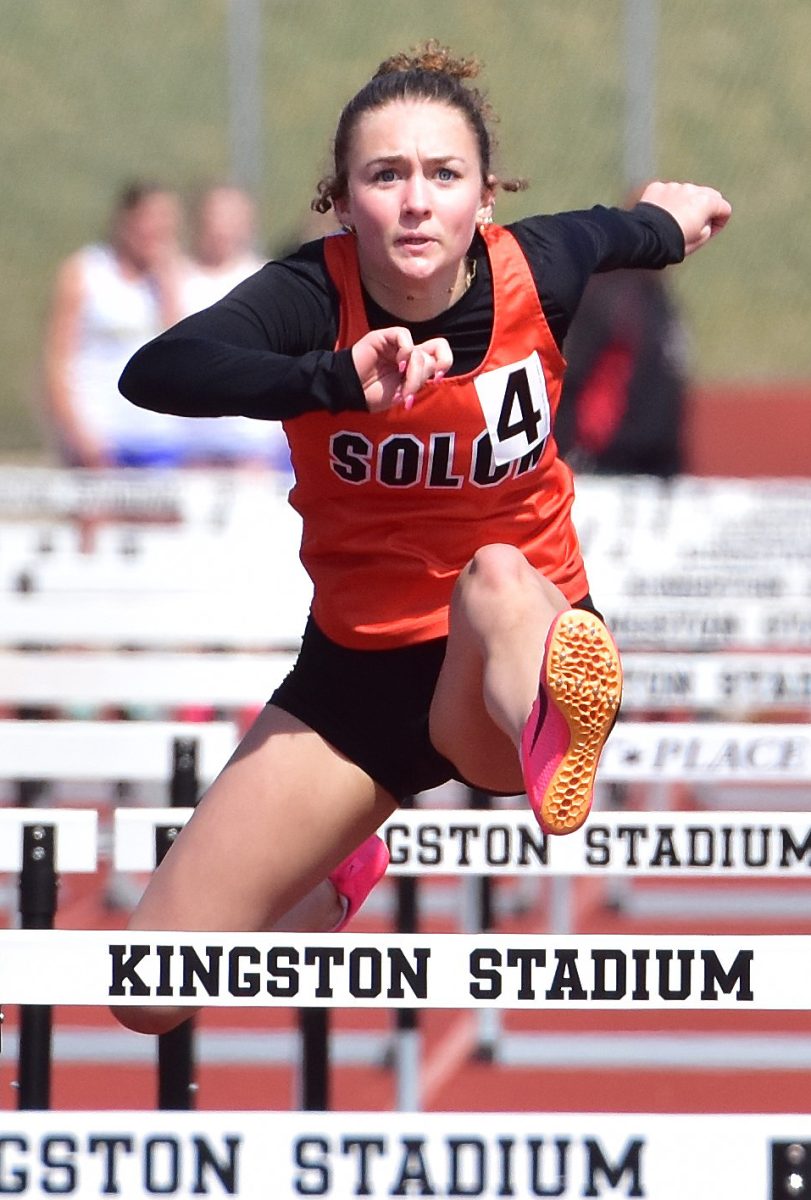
(62, 750)
(725, 681)
(742, 682)
(695, 624)
(459, 971)
(457, 841)
(61, 679)
(635, 751)
(377, 1154)
(153, 620)
(241, 620)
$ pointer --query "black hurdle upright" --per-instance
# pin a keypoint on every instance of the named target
(314, 1066)
(483, 902)
(315, 1073)
(37, 907)
(176, 1086)
(484, 884)
(406, 1020)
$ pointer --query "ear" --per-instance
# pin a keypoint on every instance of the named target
(488, 202)
(342, 211)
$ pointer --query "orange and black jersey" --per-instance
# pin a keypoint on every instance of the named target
(394, 504)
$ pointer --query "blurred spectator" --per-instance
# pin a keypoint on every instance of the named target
(622, 406)
(223, 235)
(223, 239)
(109, 298)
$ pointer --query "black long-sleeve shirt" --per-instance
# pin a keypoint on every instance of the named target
(266, 349)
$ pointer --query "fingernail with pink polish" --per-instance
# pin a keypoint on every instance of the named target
(408, 403)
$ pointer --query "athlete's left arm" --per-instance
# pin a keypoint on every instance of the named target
(564, 250)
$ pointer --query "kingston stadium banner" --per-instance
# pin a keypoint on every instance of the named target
(282, 1155)
(461, 971)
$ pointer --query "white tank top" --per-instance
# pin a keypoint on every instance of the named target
(117, 316)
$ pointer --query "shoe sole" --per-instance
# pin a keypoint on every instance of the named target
(582, 678)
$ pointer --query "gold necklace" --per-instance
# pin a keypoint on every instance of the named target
(470, 275)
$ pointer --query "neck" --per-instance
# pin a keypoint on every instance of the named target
(415, 300)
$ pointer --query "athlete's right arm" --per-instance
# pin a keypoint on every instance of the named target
(263, 351)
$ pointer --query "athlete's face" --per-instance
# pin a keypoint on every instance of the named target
(414, 195)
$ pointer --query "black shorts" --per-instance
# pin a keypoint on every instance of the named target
(372, 706)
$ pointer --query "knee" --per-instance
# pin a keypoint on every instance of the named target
(496, 568)
(500, 578)
(153, 1020)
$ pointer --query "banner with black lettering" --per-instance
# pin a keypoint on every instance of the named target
(499, 841)
(460, 971)
(663, 844)
(342, 1155)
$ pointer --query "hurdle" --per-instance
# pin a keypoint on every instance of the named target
(635, 751)
(472, 842)
(779, 753)
(475, 843)
(88, 967)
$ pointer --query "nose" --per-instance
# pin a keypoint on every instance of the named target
(415, 195)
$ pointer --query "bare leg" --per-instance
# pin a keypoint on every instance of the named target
(318, 912)
(282, 814)
(500, 614)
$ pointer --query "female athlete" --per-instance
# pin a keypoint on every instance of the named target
(415, 360)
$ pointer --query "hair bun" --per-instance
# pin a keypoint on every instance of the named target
(430, 56)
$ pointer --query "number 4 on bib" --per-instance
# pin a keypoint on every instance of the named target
(515, 404)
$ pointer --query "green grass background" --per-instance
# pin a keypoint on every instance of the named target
(93, 92)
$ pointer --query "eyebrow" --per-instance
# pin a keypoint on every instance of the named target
(434, 160)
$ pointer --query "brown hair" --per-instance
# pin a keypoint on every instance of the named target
(429, 72)
(135, 191)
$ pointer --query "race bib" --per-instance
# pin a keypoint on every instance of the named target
(515, 404)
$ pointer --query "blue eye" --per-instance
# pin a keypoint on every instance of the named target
(446, 175)
(386, 175)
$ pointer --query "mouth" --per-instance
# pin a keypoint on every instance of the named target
(414, 241)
